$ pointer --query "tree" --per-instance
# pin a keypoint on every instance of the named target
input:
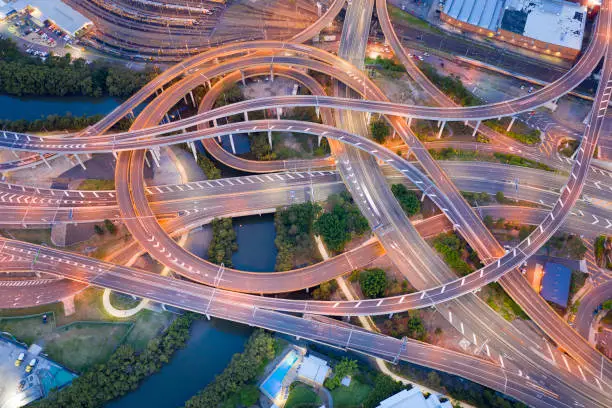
(607, 305)
(346, 367)
(380, 130)
(333, 230)
(408, 200)
(500, 197)
(249, 394)
(325, 290)
(110, 227)
(98, 230)
(384, 387)
(223, 243)
(373, 282)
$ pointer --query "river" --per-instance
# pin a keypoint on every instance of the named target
(30, 108)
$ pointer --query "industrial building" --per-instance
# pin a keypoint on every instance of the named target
(413, 398)
(553, 27)
(53, 11)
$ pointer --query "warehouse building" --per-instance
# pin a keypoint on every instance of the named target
(54, 11)
(553, 27)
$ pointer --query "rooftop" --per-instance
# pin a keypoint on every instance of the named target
(60, 13)
(314, 369)
(551, 21)
(413, 398)
(481, 13)
(556, 283)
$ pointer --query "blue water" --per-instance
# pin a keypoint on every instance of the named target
(208, 351)
(241, 143)
(30, 108)
(272, 385)
(255, 237)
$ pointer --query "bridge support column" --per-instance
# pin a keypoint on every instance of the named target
(246, 116)
(466, 123)
(80, 161)
(167, 118)
(319, 9)
(319, 138)
(476, 129)
(279, 112)
(231, 137)
(318, 110)
(131, 114)
(42, 156)
(155, 158)
(394, 134)
(243, 78)
(368, 117)
(439, 124)
(442, 126)
(511, 123)
(423, 197)
(147, 161)
(15, 154)
(271, 73)
(409, 121)
(193, 150)
(192, 98)
(208, 83)
(115, 155)
(207, 316)
(270, 138)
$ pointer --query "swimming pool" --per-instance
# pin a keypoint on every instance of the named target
(272, 386)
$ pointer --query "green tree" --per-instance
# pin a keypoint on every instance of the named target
(379, 130)
(408, 200)
(98, 230)
(333, 230)
(249, 394)
(346, 367)
(110, 227)
(373, 282)
(223, 243)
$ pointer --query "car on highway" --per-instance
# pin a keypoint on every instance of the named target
(19, 359)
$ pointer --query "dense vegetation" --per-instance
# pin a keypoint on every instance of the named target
(409, 201)
(515, 160)
(407, 324)
(379, 130)
(603, 249)
(233, 387)
(452, 249)
(223, 243)
(373, 282)
(497, 298)
(122, 373)
(527, 135)
(336, 227)
(385, 64)
(450, 85)
(58, 122)
(211, 171)
(294, 227)
(475, 198)
(22, 74)
(566, 244)
(325, 290)
(342, 369)
(384, 387)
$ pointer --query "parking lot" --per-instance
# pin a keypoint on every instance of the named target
(19, 387)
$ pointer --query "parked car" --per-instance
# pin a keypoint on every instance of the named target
(19, 359)
(30, 366)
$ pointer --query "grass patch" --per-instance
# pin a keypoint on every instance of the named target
(577, 281)
(122, 301)
(448, 153)
(498, 300)
(406, 18)
(521, 132)
(95, 184)
(36, 236)
(352, 396)
(81, 345)
(302, 396)
(88, 336)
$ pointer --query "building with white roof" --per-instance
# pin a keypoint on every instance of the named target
(55, 11)
(554, 27)
(313, 370)
(413, 398)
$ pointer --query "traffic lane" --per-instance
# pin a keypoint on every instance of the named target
(588, 305)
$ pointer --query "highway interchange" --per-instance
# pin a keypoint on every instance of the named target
(229, 292)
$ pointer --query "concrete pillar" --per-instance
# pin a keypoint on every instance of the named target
(131, 114)
(318, 110)
(80, 161)
(193, 150)
(155, 159)
(368, 117)
(246, 116)
(208, 83)
(243, 78)
(42, 156)
(511, 123)
(441, 129)
(394, 133)
(15, 154)
(319, 9)
(167, 117)
(232, 143)
(147, 161)
(115, 155)
(466, 122)
(271, 72)
(439, 124)
(215, 124)
(476, 129)
(192, 98)
(270, 138)
(319, 138)
(279, 112)
(409, 122)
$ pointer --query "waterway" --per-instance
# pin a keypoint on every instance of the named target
(31, 108)
(209, 349)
